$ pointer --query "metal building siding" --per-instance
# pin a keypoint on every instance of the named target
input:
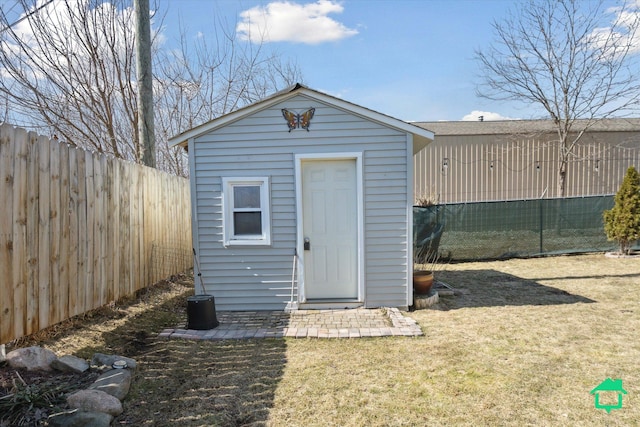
(500, 167)
(259, 278)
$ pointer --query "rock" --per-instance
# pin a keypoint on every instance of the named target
(70, 364)
(95, 401)
(3, 353)
(31, 358)
(115, 382)
(77, 418)
(105, 361)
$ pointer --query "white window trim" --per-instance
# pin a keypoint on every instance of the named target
(227, 211)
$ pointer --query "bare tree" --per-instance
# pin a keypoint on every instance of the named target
(69, 66)
(574, 59)
(203, 80)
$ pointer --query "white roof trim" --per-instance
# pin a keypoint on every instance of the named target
(422, 137)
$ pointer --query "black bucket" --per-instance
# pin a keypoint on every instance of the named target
(201, 312)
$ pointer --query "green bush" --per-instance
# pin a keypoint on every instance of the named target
(622, 223)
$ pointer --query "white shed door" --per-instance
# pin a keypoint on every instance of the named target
(330, 226)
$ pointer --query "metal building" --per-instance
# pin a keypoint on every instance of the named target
(519, 159)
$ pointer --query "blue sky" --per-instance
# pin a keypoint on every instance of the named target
(411, 59)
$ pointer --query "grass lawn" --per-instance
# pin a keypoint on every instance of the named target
(524, 344)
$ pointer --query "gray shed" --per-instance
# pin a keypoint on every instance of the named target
(303, 200)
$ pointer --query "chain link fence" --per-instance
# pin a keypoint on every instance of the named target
(523, 228)
(169, 257)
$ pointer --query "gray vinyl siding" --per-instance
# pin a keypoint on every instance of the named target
(259, 145)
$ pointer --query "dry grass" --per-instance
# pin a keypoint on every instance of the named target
(523, 346)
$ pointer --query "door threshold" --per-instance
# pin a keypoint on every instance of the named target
(329, 304)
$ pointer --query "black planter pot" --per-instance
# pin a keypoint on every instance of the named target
(201, 312)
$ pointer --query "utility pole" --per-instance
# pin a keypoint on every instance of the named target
(145, 83)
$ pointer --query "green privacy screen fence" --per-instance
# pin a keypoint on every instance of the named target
(494, 230)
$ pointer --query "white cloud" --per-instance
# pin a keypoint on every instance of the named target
(59, 16)
(486, 116)
(288, 21)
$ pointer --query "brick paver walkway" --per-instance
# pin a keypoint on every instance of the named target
(354, 323)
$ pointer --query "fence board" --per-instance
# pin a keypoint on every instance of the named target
(125, 227)
(32, 235)
(90, 257)
(20, 232)
(81, 210)
(136, 224)
(44, 254)
(82, 234)
(112, 229)
(6, 231)
(74, 215)
(100, 230)
(55, 227)
(79, 230)
(65, 244)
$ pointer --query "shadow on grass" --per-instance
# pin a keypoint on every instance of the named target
(178, 382)
(222, 383)
(183, 382)
(488, 288)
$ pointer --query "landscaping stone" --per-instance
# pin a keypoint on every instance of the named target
(3, 353)
(31, 358)
(95, 401)
(115, 382)
(105, 361)
(70, 364)
(78, 418)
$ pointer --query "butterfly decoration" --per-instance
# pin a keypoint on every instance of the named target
(295, 120)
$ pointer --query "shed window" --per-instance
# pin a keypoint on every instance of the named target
(246, 211)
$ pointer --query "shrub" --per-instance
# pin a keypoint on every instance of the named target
(622, 223)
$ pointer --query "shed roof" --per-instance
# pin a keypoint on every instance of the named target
(502, 127)
(421, 136)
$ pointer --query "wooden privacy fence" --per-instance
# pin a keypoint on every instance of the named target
(79, 230)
